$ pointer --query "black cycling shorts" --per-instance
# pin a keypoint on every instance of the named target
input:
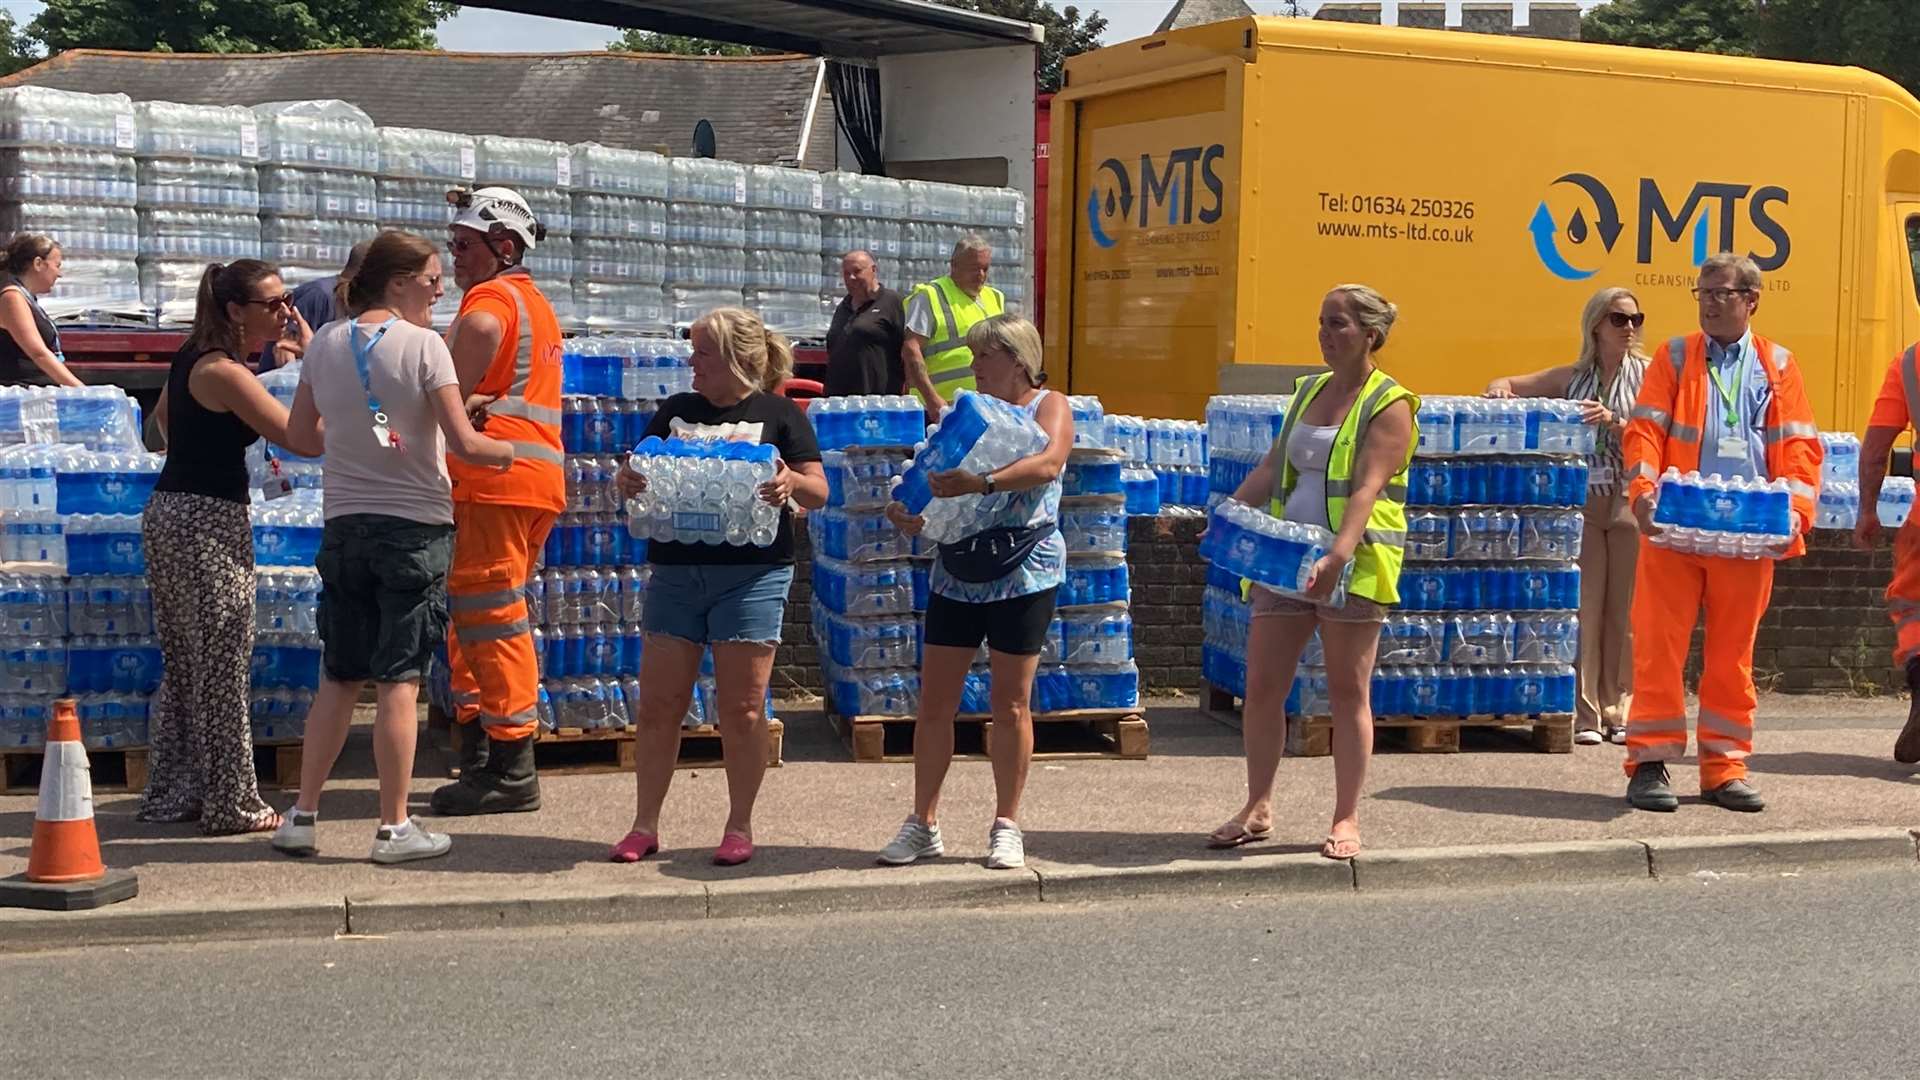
(1016, 626)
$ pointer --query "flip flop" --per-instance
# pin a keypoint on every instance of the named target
(1236, 834)
(1340, 849)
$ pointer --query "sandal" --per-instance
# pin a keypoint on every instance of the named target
(1236, 834)
(266, 821)
(1340, 848)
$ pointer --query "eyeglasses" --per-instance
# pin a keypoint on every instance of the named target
(284, 300)
(458, 244)
(1720, 296)
(1620, 320)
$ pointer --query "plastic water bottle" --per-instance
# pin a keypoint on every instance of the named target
(1896, 501)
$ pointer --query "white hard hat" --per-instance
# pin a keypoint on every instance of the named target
(492, 208)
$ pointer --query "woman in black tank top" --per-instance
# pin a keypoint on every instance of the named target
(29, 343)
(199, 542)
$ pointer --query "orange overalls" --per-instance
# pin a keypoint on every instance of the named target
(501, 519)
(1896, 408)
(1669, 588)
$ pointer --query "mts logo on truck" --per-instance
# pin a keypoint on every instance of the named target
(1164, 192)
(1711, 209)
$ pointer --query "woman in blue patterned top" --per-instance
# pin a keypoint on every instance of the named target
(997, 586)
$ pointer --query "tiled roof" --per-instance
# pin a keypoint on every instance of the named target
(758, 105)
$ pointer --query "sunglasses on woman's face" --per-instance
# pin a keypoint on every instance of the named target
(283, 301)
(1620, 320)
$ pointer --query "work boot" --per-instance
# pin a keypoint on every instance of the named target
(1735, 795)
(1650, 789)
(473, 747)
(504, 784)
(1906, 749)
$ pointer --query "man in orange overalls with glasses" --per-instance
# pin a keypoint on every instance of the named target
(506, 349)
(1724, 400)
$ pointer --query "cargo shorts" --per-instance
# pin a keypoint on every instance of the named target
(383, 596)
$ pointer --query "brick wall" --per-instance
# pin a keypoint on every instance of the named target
(1826, 631)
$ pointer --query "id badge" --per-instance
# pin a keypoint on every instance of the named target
(1733, 447)
(1599, 476)
(276, 487)
(382, 435)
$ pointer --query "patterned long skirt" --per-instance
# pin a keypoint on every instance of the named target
(200, 564)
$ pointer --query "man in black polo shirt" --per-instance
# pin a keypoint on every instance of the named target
(863, 345)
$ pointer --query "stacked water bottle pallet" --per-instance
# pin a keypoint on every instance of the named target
(417, 168)
(1486, 632)
(619, 239)
(317, 193)
(199, 198)
(866, 609)
(67, 171)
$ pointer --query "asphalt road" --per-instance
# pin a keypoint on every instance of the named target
(1709, 976)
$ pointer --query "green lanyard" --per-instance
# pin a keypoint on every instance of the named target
(1731, 397)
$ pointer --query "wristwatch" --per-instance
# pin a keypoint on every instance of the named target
(988, 481)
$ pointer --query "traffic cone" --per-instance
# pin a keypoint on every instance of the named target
(64, 870)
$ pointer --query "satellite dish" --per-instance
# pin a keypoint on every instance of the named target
(703, 142)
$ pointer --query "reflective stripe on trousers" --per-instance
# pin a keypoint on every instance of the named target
(1670, 591)
(495, 670)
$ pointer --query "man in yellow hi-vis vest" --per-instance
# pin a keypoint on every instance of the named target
(939, 314)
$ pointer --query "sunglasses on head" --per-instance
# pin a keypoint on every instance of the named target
(1620, 320)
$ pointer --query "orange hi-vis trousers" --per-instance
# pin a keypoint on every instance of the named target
(1903, 593)
(1670, 588)
(495, 672)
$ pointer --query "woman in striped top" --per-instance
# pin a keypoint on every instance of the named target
(1606, 381)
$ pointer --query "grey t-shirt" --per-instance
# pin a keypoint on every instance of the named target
(361, 476)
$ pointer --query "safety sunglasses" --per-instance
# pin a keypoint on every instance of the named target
(1720, 295)
(1620, 320)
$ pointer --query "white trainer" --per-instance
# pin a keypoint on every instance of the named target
(295, 834)
(916, 841)
(407, 842)
(1006, 846)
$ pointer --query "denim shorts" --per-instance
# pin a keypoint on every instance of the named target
(705, 604)
(383, 596)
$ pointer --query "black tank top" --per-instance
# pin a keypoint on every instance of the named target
(15, 367)
(206, 450)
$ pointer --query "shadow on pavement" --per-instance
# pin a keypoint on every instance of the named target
(1817, 763)
(769, 860)
(473, 853)
(1513, 802)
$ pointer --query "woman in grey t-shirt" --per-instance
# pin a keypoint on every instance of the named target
(383, 383)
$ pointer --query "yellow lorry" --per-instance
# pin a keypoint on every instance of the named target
(1208, 185)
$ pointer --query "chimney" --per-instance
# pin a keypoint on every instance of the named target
(1423, 16)
(1553, 19)
(1484, 18)
(1352, 13)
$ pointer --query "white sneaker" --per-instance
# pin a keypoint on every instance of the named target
(408, 841)
(916, 841)
(1006, 846)
(295, 834)
(1587, 738)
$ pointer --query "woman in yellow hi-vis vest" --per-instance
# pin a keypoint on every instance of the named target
(1340, 462)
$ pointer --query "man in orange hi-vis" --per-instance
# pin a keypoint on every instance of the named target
(1894, 411)
(506, 349)
(1727, 401)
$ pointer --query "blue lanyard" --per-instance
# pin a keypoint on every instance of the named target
(360, 354)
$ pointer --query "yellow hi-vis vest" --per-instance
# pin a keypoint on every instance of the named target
(949, 361)
(1376, 562)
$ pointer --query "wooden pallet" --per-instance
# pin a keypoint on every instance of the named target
(126, 770)
(1312, 736)
(112, 770)
(1065, 735)
(571, 750)
(278, 764)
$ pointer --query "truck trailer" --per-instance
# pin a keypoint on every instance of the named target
(1210, 184)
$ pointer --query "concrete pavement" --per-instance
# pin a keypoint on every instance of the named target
(1497, 813)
